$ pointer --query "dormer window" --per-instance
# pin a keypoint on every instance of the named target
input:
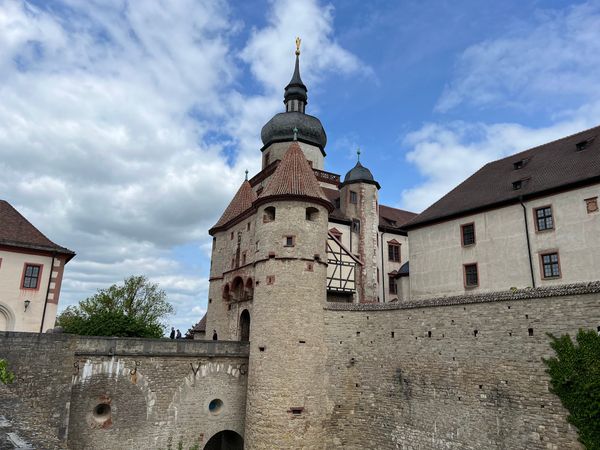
(517, 185)
(582, 145)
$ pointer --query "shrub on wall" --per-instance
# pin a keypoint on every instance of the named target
(6, 376)
(575, 379)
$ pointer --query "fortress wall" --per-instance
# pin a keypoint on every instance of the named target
(157, 391)
(459, 373)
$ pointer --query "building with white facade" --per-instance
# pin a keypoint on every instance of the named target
(31, 272)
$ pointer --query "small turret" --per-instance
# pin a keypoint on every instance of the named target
(359, 202)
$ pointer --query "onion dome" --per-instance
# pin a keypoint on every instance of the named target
(279, 128)
(241, 203)
(359, 174)
(294, 179)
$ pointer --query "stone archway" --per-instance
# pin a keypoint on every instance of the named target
(225, 440)
(244, 326)
(7, 319)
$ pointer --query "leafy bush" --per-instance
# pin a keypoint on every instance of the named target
(134, 309)
(575, 379)
(6, 376)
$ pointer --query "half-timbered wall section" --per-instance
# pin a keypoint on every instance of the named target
(341, 271)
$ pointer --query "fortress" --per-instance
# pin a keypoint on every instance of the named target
(324, 336)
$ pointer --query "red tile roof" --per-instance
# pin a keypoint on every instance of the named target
(390, 218)
(559, 165)
(17, 231)
(242, 202)
(200, 326)
(294, 177)
(393, 217)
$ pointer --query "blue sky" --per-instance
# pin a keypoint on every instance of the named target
(126, 127)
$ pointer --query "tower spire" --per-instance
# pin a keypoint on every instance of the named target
(296, 97)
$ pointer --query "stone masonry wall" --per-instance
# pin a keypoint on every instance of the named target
(452, 373)
(127, 393)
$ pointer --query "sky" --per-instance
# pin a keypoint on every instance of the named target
(126, 126)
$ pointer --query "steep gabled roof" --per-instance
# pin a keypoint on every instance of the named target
(201, 325)
(393, 217)
(17, 231)
(242, 202)
(295, 178)
(557, 166)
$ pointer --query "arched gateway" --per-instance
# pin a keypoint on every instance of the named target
(225, 440)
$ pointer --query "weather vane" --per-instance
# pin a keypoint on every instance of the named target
(298, 42)
(358, 154)
(246, 174)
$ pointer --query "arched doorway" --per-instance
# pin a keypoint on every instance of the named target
(7, 319)
(225, 440)
(245, 325)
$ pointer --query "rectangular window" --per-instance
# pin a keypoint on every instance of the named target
(550, 265)
(31, 276)
(543, 218)
(392, 283)
(356, 225)
(244, 258)
(353, 197)
(467, 234)
(591, 205)
(471, 275)
(289, 241)
(394, 252)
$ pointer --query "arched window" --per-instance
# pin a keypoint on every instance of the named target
(269, 215)
(249, 291)
(244, 326)
(237, 289)
(226, 293)
(312, 213)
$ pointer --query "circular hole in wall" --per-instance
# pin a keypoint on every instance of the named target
(215, 407)
(102, 412)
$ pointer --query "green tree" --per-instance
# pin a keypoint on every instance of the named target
(575, 379)
(135, 308)
(6, 376)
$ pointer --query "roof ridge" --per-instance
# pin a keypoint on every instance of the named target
(544, 145)
(295, 177)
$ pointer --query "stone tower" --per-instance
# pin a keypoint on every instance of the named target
(359, 201)
(286, 403)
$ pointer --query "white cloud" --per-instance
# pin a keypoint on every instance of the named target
(108, 113)
(557, 58)
(536, 68)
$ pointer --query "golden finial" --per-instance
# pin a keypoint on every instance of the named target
(298, 41)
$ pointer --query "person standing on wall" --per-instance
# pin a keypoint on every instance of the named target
(172, 336)
(178, 335)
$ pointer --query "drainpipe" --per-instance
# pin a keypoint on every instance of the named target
(47, 293)
(528, 242)
(382, 267)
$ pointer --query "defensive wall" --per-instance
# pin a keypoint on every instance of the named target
(452, 373)
(122, 393)
(448, 373)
